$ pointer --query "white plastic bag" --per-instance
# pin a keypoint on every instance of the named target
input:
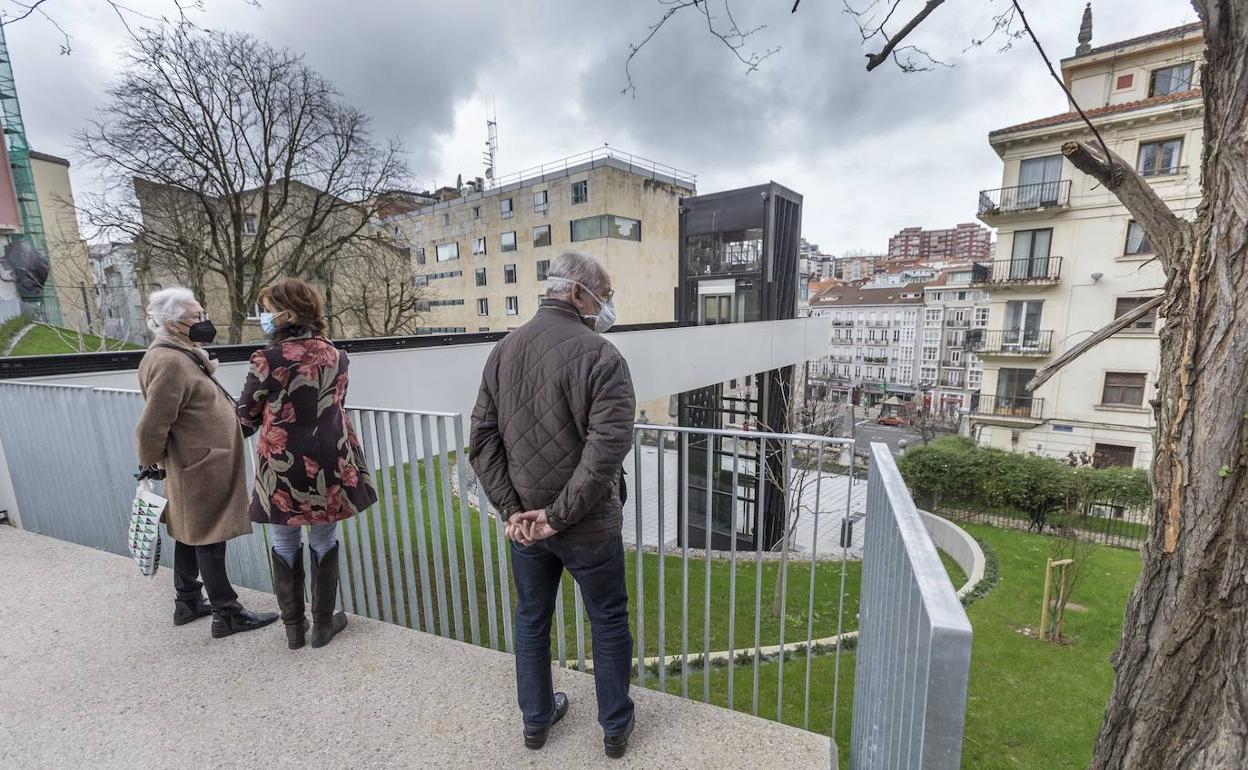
(144, 540)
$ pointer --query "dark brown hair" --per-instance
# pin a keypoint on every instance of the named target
(302, 302)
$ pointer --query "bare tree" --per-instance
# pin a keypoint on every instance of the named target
(179, 12)
(246, 164)
(378, 295)
(1179, 698)
(1069, 544)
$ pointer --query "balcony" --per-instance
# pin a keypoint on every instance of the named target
(874, 359)
(875, 342)
(1028, 197)
(1009, 409)
(1045, 271)
(955, 323)
(947, 381)
(1010, 342)
(949, 363)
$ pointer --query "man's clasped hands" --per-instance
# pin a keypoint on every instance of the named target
(527, 527)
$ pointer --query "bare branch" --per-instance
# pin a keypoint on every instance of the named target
(1104, 333)
(892, 41)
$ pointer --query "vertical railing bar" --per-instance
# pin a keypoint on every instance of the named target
(662, 619)
(470, 561)
(418, 524)
(732, 570)
(435, 526)
(706, 599)
(403, 484)
(376, 519)
(578, 614)
(504, 579)
(560, 622)
(784, 568)
(684, 566)
(487, 563)
(448, 520)
(393, 580)
(364, 528)
(640, 602)
(760, 501)
(840, 610)
(814, 563)
(356, 552)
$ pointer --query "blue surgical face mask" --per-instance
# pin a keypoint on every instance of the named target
(266, 323)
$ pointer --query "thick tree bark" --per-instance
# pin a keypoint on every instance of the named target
(1180, 696)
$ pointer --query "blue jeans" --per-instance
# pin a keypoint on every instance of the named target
(598, 568)
(288, 540)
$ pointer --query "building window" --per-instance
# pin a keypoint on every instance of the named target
(543, 269)
(420, 256)
(504, 208)
(1113, 455)
(448, 251)
(509, 241)
(249, 224)
(509, 273)
(974, 378)
(483, 328)
(481, 276)
(1124, 82)
(1171, 80)
(513, 306)
(1137, 241)
(981, 317)
(606, 226)
(932, 317)
(1160, 158)
(539, 202)
(446, 218)
(541, 235)
(476, 212)
(483, 306)
(405, 252)
(478, 246)
(1125, 305)
(1123, 389)
(580, 191)
(446, 302)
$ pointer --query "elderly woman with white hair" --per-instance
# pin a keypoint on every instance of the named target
(189, 434)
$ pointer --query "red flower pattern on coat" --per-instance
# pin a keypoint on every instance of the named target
(282, 501)
(260, 364)
(311, 467)
(349, 474)
(282, 375)
(272, 442)
(288, 413)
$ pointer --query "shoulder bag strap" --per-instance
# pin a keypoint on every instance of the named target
(202, 367)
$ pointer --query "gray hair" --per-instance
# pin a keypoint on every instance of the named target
(572, 267)
(167, 305)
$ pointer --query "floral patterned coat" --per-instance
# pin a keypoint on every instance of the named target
(310, 467)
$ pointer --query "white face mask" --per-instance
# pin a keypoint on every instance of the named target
(606, 310)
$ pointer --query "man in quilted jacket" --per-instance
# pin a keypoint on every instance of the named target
(551, 428)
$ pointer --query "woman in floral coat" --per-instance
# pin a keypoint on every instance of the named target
(310, 468)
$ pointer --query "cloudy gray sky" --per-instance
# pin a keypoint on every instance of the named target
(871, 152)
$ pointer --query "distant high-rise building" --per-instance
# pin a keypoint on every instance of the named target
(967, 241)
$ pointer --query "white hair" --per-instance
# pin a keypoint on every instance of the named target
(572, 267)
(167, 305)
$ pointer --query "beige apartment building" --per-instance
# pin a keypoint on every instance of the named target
(955, 315)
(1070, 259)
(67, 251)
(484, 252)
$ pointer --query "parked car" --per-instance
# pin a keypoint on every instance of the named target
(889, 419)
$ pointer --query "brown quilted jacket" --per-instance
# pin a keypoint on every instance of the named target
(553, 423)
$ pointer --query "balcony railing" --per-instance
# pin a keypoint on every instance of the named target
(1020, 407)
(1019, 342)
(1004, 272)
(957, 323)
(949, 363)
(1027, 197)
(877, 343)
(874, 359)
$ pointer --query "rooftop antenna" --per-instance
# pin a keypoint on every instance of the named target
(490, 156)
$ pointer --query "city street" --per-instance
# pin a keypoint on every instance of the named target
(867, 431)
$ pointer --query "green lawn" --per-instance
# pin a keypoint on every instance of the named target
(1031, 704)
(375, 539)
(11, 327)
(44, 340)
(1097, 524)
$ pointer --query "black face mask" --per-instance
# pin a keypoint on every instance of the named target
(202, 332)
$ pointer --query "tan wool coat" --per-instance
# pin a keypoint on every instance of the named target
(189, 426)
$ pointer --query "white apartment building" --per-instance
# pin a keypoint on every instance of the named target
(955, 320)
(873, 344)
(1070, 259)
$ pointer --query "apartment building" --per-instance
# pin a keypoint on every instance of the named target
(485, 253)
(874, 344)
(966, 241)
(955, 317)
(855, 268)
(1070, 258)
(71, 280)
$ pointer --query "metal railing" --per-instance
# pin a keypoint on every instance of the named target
(1043, 270)
(914, 652)
(596, 157)
(1023, 342)
(777, 510)
(1021, 407)
(1024, 197)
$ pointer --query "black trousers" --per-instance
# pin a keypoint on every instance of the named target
(192, 562)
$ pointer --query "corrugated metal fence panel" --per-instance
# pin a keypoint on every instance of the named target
(914, 644)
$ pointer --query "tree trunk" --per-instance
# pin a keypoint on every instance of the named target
(1180, 696)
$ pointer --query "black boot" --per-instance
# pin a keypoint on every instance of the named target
(325, 622)
(186, 610)
(227, 621)
(288, 586)
(617, 745)
(535, 738)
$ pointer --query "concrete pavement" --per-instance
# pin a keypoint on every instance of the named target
(94, 674)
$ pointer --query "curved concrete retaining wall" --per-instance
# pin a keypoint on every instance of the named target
(960, 546)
